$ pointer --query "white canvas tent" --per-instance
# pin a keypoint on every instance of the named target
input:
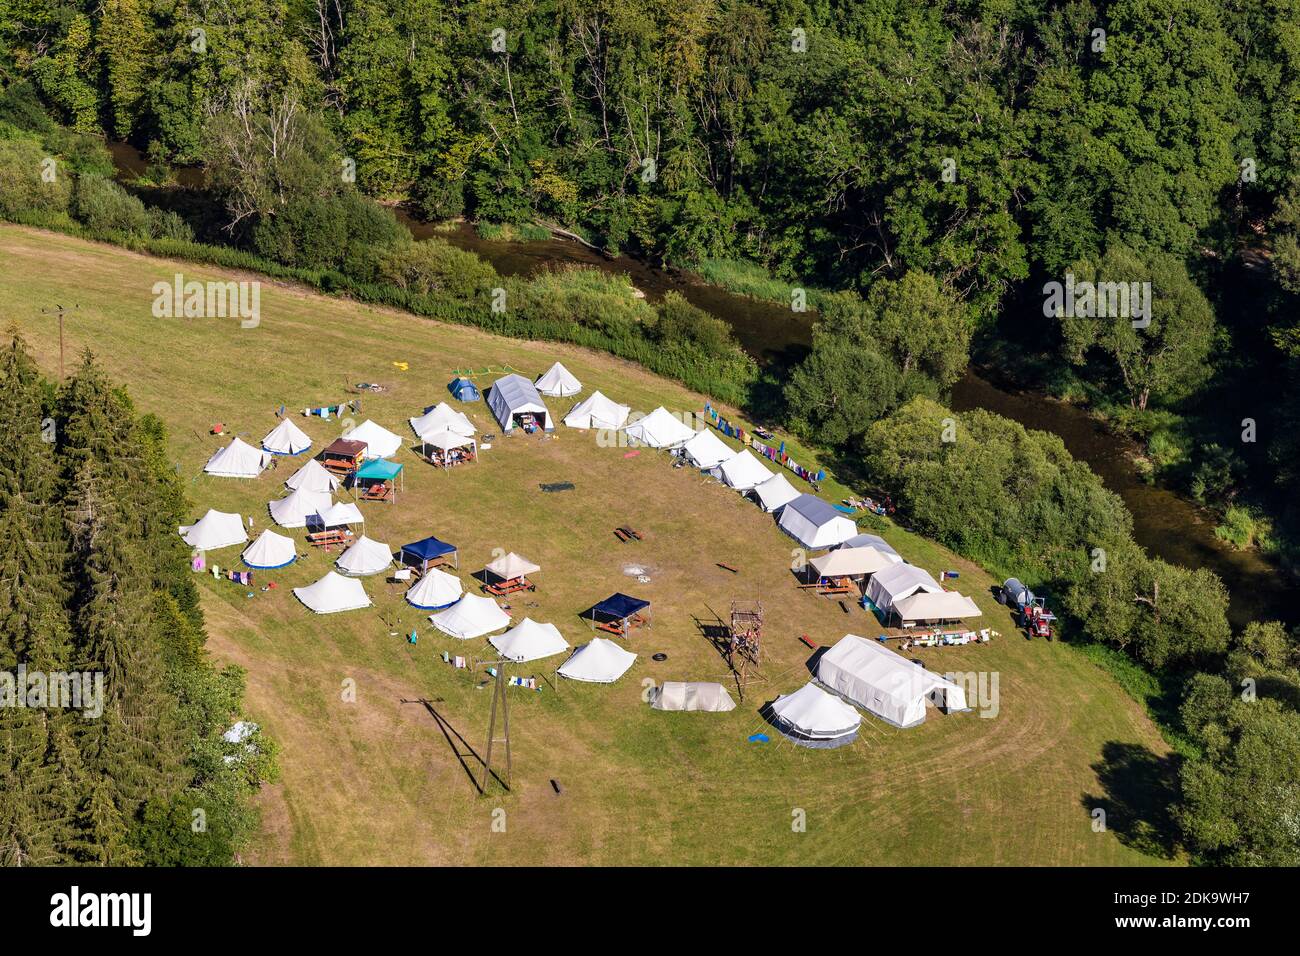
(442, 417)
(270, 550)
(693, 695)
(884, 683)
(599, 661)
(515, 395)
(293, 510)
(850, 562)
(597, 411)
(775, 493)
(529, 641)
(238, 460)
(706, 450)
(558, 382)
(216, 529)
(339, 514)
(286, 438)
(434, 591)
(333, 593)
(892, 584)
(511, 565)
(814, 523)
(313, 476)
(943, 606)
(365, 556)
(812, 714)
(380, 442)
(873, 541)
(660, 429)
(744, 471)
(471, 616)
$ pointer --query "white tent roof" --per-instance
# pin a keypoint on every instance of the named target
(270, 550)
(873, 541)
(707, 450)
(286, 438)
(660, 429)
(515, 395)
(435, 589)
(599, 661)
(446, 439)
(943, 606)
(293, 510)
(471, 616)
(559, 382)
(442, 417)
(238, 460)
(851, 562)
(529, 641)
(365, 556)
(512, 565)
(883, 682)
(693, 695)
(898, 581)
(380, 442)
(216, 529)
(333, 593)
(814, 523)
(775, 492)
(744, 471)
(813, 713)
(597, 411)
(341, 513)
(313, 476)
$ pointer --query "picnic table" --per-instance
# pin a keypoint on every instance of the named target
(625, 534)
(377, 492)
(513, 586)
(325, 539)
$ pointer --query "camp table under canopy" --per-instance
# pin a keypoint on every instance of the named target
(343, 456)
(618, 614)
(511, 571)
(427, 553)
(379, 476)
(446, 448)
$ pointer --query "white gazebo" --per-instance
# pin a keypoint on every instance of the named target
(442, 417)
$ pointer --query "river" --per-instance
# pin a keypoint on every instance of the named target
(1165, 523)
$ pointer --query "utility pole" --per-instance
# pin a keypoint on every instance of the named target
(60, 311)
(498, 693)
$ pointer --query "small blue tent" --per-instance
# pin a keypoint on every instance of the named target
(463, 390)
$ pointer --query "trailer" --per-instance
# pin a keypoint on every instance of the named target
(1032, 613)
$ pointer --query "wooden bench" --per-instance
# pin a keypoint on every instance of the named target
(377, 492)
(626, 534)
(510, 587)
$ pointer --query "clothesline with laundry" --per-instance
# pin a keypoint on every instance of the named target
(771, 453)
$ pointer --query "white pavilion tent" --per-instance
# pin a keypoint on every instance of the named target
(660, 429)
(446, 439)
(775, 493)
(293, 510)
(890, 585)
(558, 382)
(529, 641)
(442, 417)
(313, 476)
(435, 590)
(514, 395)
(744, 471)
(811, 714)
(270, 550)
(238, 460)
(510, 566)
(597, 411)
(706, 450)
(365, 556)
(850, 562)
(885, 683)
(286, 438)
(380, 442)
(814, 523)
(693, 695)
(599, 661)
(471, 616)
(216, 529)
(337, 515)
(333, 593)
(943, 606)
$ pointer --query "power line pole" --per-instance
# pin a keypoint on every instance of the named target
(60, 311)
(498, 694)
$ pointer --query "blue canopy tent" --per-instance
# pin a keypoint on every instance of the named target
(428, 552)
(463, 390)
(379, 475)
(618, 614)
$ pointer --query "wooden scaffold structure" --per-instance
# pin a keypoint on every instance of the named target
(744, 644)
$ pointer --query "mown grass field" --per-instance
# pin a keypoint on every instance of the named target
(378, 781)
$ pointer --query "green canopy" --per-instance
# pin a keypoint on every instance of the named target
(378, 469)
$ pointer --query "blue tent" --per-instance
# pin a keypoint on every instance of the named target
(618, 608)
(463, 390)
(420, 553)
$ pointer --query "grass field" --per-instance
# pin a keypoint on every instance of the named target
(383, 781)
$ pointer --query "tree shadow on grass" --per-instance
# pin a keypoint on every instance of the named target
(1139, 790)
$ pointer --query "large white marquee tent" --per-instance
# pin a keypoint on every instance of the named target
(558, 382)
(333, 593)
(238, 460)
(890, 585)
(660, 429)
(814, 523)
(529, 641)
(471, 616)
(599, 661)
(597, 411)
(514, 395)
(216, 529)
(884, 683)
(286, 438)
